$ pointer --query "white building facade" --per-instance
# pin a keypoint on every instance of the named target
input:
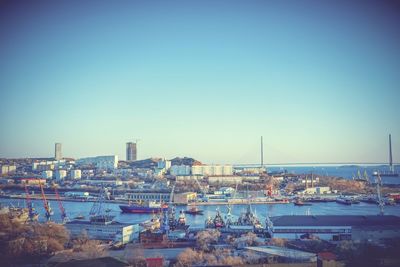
(100, 162)
(180, 170)
(212, 170)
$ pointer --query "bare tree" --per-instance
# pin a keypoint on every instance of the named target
(205, 238)
(134, 255)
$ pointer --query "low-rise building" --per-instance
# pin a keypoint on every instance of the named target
(32, 181)
(61, 174)
(184, 198)
(250, 178)
(225, 179)
(75, 174)
(114, 231)
(318, 190)
(8, 169)
(147, 196)
(282, 254)
(47, 174)
(370, 228)
(227, 191)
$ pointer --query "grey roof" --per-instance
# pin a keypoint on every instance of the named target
(336, 220)
(283, 252)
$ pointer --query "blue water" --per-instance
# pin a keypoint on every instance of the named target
(345, 171)
(330, 208)
(75, 208)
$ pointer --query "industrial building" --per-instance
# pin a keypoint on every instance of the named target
(131, 151)
(113, 231)
(318, 190)
(148, 196)
(282, 255)
(370, 228)
(225, 179)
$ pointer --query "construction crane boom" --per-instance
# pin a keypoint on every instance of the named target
(60, 205)
(46, 204)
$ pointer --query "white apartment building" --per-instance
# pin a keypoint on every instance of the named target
(180, 170)
(100, 162)
(49, 164)
(212, 170)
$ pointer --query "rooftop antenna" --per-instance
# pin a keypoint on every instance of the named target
(390, 154)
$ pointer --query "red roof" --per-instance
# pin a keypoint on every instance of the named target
(154, 262)
(327, 256)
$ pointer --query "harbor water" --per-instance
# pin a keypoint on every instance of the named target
(74, 209)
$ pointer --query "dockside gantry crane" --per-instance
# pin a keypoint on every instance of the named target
(33, 215)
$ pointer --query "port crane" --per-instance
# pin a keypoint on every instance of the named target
(204, 197)
(381, 203)
(33, 215)
(98, 213)
(64, 217)
(229, 217)
(168, 218)
(46, 204)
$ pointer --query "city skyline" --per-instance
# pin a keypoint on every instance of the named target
(319, 81)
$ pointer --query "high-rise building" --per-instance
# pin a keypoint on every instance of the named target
(131, 151)
(57, 151)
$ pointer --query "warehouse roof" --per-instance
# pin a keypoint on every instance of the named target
(283, 252)
(336, 220)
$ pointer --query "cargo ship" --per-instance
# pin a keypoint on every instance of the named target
(148, 207)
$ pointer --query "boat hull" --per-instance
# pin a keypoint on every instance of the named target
(141, 210)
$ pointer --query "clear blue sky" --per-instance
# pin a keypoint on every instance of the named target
(320, 81)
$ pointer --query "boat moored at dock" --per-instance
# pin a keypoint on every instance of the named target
(148, 207)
